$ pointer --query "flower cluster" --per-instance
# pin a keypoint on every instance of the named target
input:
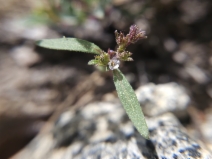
(111, 59)
(133, 36)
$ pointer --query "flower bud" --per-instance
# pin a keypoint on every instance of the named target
(135, 34)
(111, 53)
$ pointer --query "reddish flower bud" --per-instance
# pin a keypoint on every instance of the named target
(111, 53)
(135, 34)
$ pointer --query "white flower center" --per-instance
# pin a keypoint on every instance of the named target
(114, 63)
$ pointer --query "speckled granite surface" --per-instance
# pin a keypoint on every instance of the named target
(102, 130)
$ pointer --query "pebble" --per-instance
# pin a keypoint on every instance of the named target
(163, 98)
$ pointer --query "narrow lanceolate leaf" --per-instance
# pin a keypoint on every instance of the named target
(130, 103)
(70, 44)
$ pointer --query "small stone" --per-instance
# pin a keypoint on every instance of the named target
(25, 56)
(162, 98)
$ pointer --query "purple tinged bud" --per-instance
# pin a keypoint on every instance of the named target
(135, 34)
(111, 53)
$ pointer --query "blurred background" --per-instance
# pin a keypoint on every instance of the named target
(37, 84)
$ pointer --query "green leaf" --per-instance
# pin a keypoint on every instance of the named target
(102, 68)
(130, 103)
(93, 62)
(71, 44)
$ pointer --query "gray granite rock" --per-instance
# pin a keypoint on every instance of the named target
(205, 127)
(162, 98)
(102, 130)
(172, 141)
